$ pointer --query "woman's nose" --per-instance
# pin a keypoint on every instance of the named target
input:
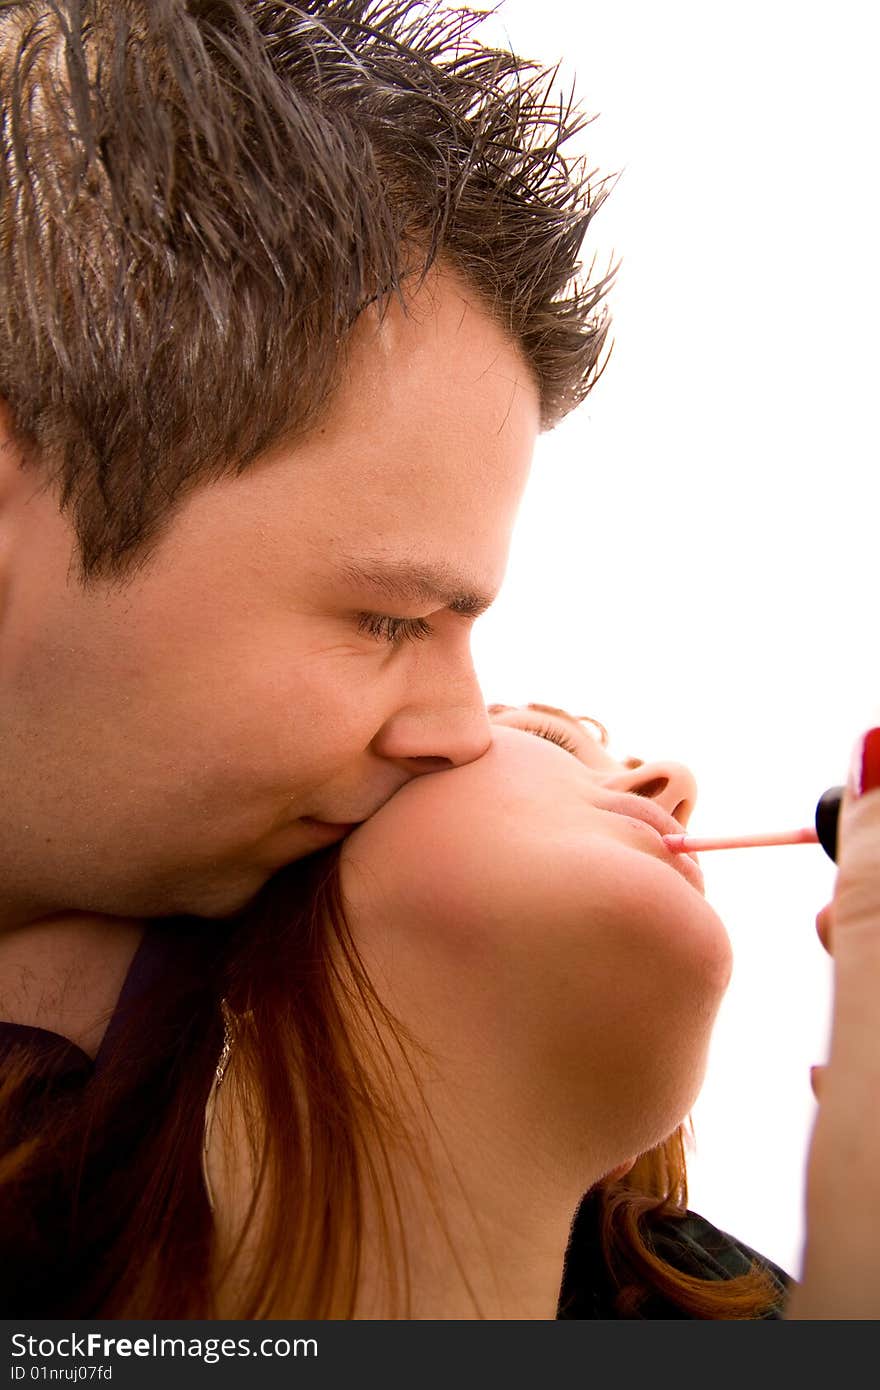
(672, 785)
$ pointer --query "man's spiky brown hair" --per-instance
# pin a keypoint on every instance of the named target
(198, 197)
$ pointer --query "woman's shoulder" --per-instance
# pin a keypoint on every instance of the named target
(712, 1253)
(689, 1243)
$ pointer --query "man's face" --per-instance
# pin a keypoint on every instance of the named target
(166, 741)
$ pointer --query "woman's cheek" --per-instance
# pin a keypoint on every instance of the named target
(591, 900)
(597, 976)
(629, 974)
(483, 891)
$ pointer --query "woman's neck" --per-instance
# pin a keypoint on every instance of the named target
(475, 1269)
(477, 1215)
(486, 1239)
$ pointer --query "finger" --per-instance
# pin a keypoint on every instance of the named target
(824, 923)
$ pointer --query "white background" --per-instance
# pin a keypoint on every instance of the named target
(696, 559)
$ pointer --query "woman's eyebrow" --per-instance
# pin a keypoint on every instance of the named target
(424, 582)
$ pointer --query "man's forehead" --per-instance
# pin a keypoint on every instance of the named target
(418, 581)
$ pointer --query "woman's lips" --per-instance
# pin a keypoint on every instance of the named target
(649, 813)
(689, 867)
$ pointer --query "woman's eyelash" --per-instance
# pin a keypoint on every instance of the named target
(394, 630)
(549, 731)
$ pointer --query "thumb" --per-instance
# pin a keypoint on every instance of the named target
(857, 891)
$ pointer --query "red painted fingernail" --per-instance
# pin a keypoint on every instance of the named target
(865, 771)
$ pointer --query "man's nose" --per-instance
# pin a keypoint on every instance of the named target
(443, 724)
(672, 785)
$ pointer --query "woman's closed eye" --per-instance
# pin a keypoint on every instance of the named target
(564, 730)
(554, 735)
(551, 729)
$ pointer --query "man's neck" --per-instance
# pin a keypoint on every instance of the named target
(64, 973)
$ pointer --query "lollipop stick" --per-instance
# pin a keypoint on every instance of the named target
(684, 844)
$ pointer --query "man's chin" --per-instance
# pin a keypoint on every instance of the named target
(229, 887)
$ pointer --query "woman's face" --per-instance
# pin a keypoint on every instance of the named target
(524, 918)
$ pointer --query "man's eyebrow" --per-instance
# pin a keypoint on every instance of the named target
(419, 582)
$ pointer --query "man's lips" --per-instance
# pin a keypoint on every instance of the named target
(329, 830)
(642, 809)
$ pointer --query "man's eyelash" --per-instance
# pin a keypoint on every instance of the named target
(549, 731)
(394, 631)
